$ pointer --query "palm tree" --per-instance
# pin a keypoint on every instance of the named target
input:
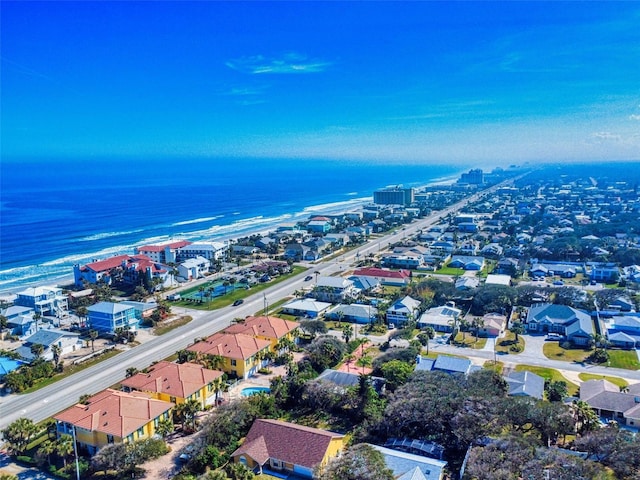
(36, 317)
(165, 427)
(585, 417)
(46, 449)
(56, 350)
(131, 371)
(18, 435)
(64, 447)
(518, 329)
(37, 349)
(82, 313)
(93, 334)
(347, 332)
(430, 334)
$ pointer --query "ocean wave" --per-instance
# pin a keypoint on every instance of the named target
(196, 220)
(334, 206)
(100, 236)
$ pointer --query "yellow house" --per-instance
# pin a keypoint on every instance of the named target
(112, 416)
(272, 445)
(176, 382)
(270, 328)
(241, 355)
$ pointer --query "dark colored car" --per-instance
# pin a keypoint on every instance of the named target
(238, 302)
(307, 278)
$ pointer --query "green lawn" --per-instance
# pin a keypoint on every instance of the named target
(503, 345)
(450, 271)
(554, 351)
(620, 382)
(551, 375)
(469, 341)
(627, 359)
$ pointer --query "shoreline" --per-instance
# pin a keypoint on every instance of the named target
(65, 279)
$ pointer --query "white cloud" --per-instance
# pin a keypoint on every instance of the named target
(289, 63)
(634, 117)
(606, 136)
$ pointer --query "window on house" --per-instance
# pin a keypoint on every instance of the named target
(141, 432)
(233, 363)
(109, 438)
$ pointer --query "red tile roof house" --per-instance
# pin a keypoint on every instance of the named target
(127, 267)
(242, 354)
(385, 277)
(287, 448)
(112, 416)
(176, 382)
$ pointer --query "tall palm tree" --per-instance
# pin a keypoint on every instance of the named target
(47, 448)
(93, 334)
(36, 317)
(64, 447)
(37, 349)
(56, 350)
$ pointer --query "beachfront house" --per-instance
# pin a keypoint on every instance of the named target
(283, 448)
(165, 253)
(176, 382)
(212, 251)
(112, 416)
(193, 268)
(240, 356)
(125, 269)
(107, 317)
(45, 300)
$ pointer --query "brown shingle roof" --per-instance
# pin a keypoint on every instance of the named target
(115, 413)
(287, 442)
(239, 347)
(269, 327)
(175, 379)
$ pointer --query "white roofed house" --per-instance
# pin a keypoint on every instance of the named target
(45, 300)
(193, 268)
(306, 307)
(334, 289)
(67, 341)
(441, 319)
(355, 313)
(403, 311)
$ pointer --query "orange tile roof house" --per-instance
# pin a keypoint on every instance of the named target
(242, 354)
(175, 382)
(384, 276)
(128, 267)
(112, 416)
(287, 447)
(266, 328)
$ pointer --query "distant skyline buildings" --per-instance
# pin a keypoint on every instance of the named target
(471, 83)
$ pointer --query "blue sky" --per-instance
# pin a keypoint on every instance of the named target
(432, 82)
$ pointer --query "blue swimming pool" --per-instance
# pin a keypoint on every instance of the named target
(253, 390)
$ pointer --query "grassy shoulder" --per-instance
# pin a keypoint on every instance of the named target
(627, 359)
(551, 375)
(167, 326)
(620, 382)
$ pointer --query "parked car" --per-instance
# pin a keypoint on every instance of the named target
(558, 282)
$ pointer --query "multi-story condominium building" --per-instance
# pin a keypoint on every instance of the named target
(394, 196)
(176, 382)
(212, 251)
(242, 355)
(166, 253)
(44, 300)
(107, 317)
(112, 416)
(121, 268)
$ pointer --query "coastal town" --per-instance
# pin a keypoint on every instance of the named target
(484, 329)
